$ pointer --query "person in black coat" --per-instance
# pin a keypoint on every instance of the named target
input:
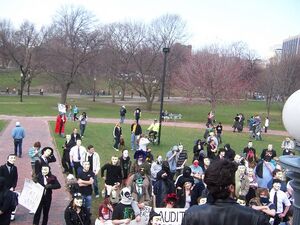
(5, 202)
(162, 187)
(76, 213)
(65, 161)
(229, 152)
(49, 182)
(10, 172)
(74, 137)
(44, 160)
(117, 133)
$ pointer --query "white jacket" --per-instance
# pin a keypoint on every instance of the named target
(96, 161)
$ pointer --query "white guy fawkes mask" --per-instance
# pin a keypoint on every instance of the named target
(68, 137)
(159, 159)
(237, 158)
(242, 169)
(78, 143)
(250, 144)
(241, 202)
(250, 172)
(78, 202)
(270, 147)
(114, 160)
(45, 170)
(48, 152)
(125, 153)
(156, 220)
(86, 166)
(206, 161)
(11, 159)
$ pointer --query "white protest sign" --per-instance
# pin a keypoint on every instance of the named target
(61, 108)
(170, 216)
(31, 195)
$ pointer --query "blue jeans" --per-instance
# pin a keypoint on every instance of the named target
(18, 146)
(133, 141)
(87, 201)
(82, 129)
(95, 185)
(122, 119)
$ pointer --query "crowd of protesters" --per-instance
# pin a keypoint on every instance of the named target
(168, 180)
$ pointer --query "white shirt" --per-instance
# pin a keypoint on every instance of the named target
(267, 122)
(143, 143)
(281, 199)
(74, 153)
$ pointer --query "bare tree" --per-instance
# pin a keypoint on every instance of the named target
(20, 45)
(215, 74)
(72, 41)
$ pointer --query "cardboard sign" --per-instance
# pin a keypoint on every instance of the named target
(31, 195)
(61, 108)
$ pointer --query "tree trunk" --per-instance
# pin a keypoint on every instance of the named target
(149, 105)
(28, 87)
(268, 105)
(64, 93)
(113, 94)
(123, 88)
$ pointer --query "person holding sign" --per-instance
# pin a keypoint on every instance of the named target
(60, 124)
(49, 182)
(220, 181)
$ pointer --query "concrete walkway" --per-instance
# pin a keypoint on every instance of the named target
(36, 129)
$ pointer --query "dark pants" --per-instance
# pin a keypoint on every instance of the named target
(45, 206)
(18, 146)
(77, 166)
(117, 142)
(65, 161)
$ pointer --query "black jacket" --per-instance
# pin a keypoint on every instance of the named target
(223, 212)
(11, 178)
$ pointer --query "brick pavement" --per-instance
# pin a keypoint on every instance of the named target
(36, 129)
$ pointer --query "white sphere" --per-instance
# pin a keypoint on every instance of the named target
(291, 115)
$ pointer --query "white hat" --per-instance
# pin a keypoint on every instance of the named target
(18, 124)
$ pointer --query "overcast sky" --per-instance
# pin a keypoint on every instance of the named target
(262, 24)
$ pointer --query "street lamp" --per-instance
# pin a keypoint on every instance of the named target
(165, 51)
(21, 88)
(94, 94)
(291, 121)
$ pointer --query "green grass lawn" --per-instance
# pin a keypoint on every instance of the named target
(2, 124)
(47, 106)
(100, 135)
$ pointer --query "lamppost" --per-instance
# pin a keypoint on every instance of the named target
(21, 88)
(94, 93)
(165, 51)
(291, 121)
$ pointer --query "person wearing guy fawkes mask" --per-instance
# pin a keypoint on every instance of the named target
(125, 163)
(49, 182)
(113, 174)
(76, 213)
(10, 172)
(123, 212)
(156, 166)
(264, 170)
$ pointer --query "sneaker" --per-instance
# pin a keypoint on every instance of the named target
(31, 212)
(97, 196)
(116, 149)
